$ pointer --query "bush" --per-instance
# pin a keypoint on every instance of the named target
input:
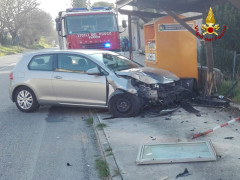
(225, 86)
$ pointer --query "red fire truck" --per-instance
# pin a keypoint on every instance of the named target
(82, 28)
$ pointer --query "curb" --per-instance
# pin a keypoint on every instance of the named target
(103, 145)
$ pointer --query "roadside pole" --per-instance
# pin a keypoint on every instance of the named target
(130, 37)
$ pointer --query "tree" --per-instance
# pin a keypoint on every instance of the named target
(103, 4)
(79, 3)
(13, 15)
(37, 24)
(226, 14)
(18, 11)
(229, 16)
(4, 19)
(22, 20)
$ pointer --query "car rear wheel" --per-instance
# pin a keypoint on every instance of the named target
(124, 105)
(26, 100)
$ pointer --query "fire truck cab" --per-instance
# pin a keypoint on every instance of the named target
(82, 28)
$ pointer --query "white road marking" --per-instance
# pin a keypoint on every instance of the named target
(8, 66)
(5, 72)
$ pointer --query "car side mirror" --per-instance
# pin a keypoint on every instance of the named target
(58, 24)
(94, 71)
(124, 23)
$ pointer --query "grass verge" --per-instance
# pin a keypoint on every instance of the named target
(89, 121)
(108, 149)
(7, 50)
(101, 125)
(102, 168)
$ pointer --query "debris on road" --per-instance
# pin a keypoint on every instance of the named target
(111, 117)
(228, 137)
(185, 173)
(68, 164)
(153, 138)
(164, 178)
(176, 152)
(211, 101)
(188, 107)
(156, 111)
(215, 128)
(186, 104)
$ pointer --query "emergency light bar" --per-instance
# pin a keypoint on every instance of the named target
(101, 8)
(76, 9)
(86, 9)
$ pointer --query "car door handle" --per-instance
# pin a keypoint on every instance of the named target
(58, 77)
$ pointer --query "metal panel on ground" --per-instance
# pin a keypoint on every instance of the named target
(176, 152)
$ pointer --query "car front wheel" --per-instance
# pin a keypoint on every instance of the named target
(26, 100)
(124, 105)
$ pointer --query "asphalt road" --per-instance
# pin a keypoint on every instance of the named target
(39, 145)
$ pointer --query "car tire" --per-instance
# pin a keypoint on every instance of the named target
(124, 105)
(26, 100)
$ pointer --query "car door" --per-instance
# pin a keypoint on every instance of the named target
(40, 77)
(72, 85)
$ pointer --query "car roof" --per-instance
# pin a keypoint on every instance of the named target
(81, 51)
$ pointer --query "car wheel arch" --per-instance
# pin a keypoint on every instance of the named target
(20, 86)
(117, 91)
(25, 99)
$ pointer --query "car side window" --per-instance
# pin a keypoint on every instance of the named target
(41, 63)
(74, 63)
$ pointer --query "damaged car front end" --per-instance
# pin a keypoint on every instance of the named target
(158, 86)
(133, 87)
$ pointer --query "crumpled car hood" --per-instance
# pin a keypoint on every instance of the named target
(149, 75)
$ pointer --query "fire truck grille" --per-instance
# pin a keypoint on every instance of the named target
(93, 46)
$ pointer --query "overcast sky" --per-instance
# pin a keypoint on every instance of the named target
(54, 6)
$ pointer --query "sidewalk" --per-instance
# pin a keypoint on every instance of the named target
(126, 135)
(139, 58)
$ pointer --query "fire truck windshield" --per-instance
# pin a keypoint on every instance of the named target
(79, 24)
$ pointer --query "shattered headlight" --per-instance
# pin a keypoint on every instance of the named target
(156, 86)
(167, 80)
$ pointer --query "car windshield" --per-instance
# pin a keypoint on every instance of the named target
(115, 62)
(91, 23)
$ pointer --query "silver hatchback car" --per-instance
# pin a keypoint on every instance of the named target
(90, 78)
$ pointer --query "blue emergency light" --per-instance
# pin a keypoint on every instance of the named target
(76, 9)
(101, 8)
(107, 45)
